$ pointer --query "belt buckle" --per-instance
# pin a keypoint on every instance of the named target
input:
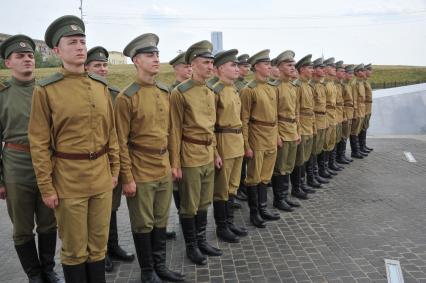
(93, 155)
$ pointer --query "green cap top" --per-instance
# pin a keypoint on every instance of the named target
(349, 69)
(286, 56)
(63, 26)
(97, 53)
(179, 59)
(330, 62)
(225, 57)
(305, 61)
(274, 62)
(200, 49)
(243, 59)
(339, 65)
(145, 43)
(368, 66)
(16, 43)
(359, 67)
(319, 63)
(261, 56)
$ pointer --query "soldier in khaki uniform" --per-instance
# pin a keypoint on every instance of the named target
(275, 72)
(288, 131)
(75, 153)
(183, 71)
(229, 147)
(306, 99)
(213, 79)
(315, 169)
(259, 116)
(192, 143)
(97, 63)
(358, 91)
(17, 179)
(240, 83)
(368, 106)
(142, 121)
(348, 103)
(341, 114)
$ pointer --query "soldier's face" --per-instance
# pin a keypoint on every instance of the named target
(288, 69)
(263, 68)
(330, 70)
(319, 72)
(72, 50)
(98, 67)
(340, 74)
(244, 69)
(306, 72)
(183, 71)
(368, 72)
(229, 71)
(21, 63)
(349, 76)
(203, 67)
(275, 72)
(148, 62)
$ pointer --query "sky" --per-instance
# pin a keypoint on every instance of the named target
(383, 32)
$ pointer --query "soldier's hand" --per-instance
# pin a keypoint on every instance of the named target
(218, 162)
(129, 190)
(51, 201)
(3, 193)
(279, 142)
(114, 182)
(176, 174)
(249, 154)
(299, 140)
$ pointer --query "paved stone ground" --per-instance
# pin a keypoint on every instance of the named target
(372, 211)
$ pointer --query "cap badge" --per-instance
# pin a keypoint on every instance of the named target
(73, 27)
(22, 44)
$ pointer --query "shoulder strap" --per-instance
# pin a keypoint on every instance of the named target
(51, 79)
(252, 84)
(162, 86)
(185, 86)
(218, 87)
(98, 78)
(132, 89)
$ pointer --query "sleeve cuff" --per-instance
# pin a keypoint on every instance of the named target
(127, 177)
(47, 190)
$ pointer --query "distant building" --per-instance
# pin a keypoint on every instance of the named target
(41, 46)
(116, 58)
(217, 41)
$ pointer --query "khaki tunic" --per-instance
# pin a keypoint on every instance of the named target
(288, 111)
(358, 90)
(306, 108)
(320, 104)
(348, 101)
(340, 116)
(368, 97)
(74, 114)
(331, 94)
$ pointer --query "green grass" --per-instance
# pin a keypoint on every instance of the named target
(122, 75)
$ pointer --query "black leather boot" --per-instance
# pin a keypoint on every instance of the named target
(278, 189)
(262, 195)
(364, 141)
(144, 253)
(46, 252)
(201, 226)
(332, 161)
(114, 250)
(28, 257)
(340, 156)
(109, 265)
(354, 147)
(75, 273)
(286, 186)
(327, 156)
(348, 159)
(242, 190)
(322, 165)
(192, 251)
(320, 179)
(158, 244)
(303, 186)
(310, 177)
(222, 230)
(295, 184)
(360, 149)
(255, 218)
(96, 271)
(239, 231)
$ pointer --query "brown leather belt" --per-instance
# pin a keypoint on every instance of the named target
(159, 151)
(200, 142)
(306, 114)
(349, 105)
(267, 124)
(17, 146)
(228, 130)
(339, 104)
(284, 119)
(368, 101)
(81, 156)
(331, 107)
(320, 112)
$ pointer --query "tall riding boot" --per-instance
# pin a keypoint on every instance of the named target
(327, 156)
(340, 156)
(28, 257)
(114, 250)
(75, 273)
(286, 189)
(278, 189)
(348, 159)
(201, 226)
(189, 234)
(144, 253)
(96, 272)
(312, 182)
(332, 161)
(364, 137)
(354, 147)
(158, 244)
(242, 190)
(255, 218)
(295, 184)
(320, 179)
(239, 231)
(303, 185)
(262, 195)
(222, 230)
(46, 253)
(362, 141)
(322, 164)
(360, 150)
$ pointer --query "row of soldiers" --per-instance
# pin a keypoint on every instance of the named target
(74, 144)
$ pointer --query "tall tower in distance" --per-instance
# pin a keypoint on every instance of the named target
(217, 41)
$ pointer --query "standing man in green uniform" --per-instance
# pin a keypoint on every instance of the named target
(368, 108)
(259, 117)
(97, 63)
(341, 114)
(18, 183)
(183, 71)
(288, 131)
(229, 147)
(192, 144)
(142, 121)
(348, 103)
(72, 137)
